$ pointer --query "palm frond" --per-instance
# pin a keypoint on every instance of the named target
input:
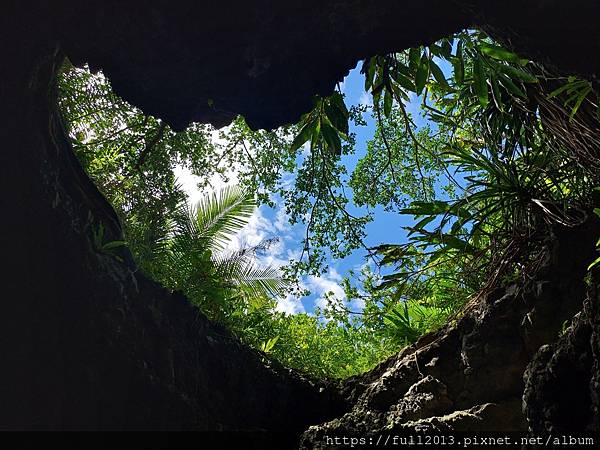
(240, 270)
(220, 215)
(261, 280)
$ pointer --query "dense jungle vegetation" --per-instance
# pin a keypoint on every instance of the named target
(492, 168)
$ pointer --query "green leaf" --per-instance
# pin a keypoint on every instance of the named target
(454, 242)
(377, 88)
(414, 57)
(434, 207)
(337, 100)
(480, 83)
(594, 264)
(447, 48)
(502, 54)
(217, 216)
(496, 94)
(510, 86)
(368, 68)
(519, 74)
(400, 68)
(387, 103)
(439, 75)
(399, 92)
(580, 98)
(112, 245)
(304, 135)
(560, 90)
(422, 74)
(404, 81)
(435, 49)
(458, 63)
(332, 138)
(269, 344)
(424, 222)
(336, 115)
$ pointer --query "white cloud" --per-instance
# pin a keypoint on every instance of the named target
(413, 106)
(281, 220)
(357, 304)
(293, 253)
(366, 99)
(326, 283)
(189, 184)
(257, 230)
(290, 305)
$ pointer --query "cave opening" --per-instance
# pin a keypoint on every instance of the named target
(488, 157)
(428, 179)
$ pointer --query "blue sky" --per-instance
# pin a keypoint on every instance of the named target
(272, 222)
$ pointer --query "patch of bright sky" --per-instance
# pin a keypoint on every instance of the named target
(269, 222)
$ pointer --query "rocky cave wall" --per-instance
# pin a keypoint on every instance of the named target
(469, 376)
(89, 343)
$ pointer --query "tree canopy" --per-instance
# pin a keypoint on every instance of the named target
(491, 169)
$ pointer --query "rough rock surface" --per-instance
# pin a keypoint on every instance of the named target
(88, 342)
(562, 391)
(469, 377)
(209, 61)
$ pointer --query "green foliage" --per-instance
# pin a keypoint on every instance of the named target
(192, 255)
(101, 245)
(507, 177)
(326, 125)
(597, 260)
(393, 171)
(475, 183)
(575, 91)
(406, 322)
(132, 159)
(129, 156)
(316, 344)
